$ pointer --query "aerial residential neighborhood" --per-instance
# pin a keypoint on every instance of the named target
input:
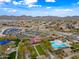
(35, 39)
(39, 29)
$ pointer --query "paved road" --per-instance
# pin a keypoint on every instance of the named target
(5, 28)
(64, 33)
(17, 51)
(36, 50)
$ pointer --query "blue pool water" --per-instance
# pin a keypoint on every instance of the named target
(58, 44)
(4, 42)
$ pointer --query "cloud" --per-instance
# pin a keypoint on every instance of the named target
(48, 7)
(12, 11)
(27, 2)
(17, 3)
(67, 10)
(50, 1)
(8, 11)
(64, 10)
(2, 1)
(6, 8)
(32, 5)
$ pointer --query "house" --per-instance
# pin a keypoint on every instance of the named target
(67, 51)
(35, 39)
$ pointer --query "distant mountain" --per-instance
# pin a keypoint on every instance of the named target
(39, 18)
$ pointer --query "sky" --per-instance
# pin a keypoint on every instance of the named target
(39, 7)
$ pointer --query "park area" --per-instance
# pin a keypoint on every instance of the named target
(40, 50)
(37, 50)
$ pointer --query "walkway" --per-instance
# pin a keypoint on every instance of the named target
(36, 50)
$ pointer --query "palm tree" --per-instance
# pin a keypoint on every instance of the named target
(47, 44)
(22, 49)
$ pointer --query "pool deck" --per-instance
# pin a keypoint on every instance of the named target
(57, 44)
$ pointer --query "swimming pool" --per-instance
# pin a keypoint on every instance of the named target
(4, 42)
(57, 44)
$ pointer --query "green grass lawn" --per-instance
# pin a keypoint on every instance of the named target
(33, 52)
(40, 50)
(74, 45)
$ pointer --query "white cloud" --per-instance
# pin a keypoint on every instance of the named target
(68, 10)
(13, 11)
(9, 10)
(50, 1)
(64, 10)
(46, 12)
(58, 9)
(16, 3)
(27, 2)
(6, 8)
(48, 7)
(32, 5)
(7, 0)
(1, 1)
